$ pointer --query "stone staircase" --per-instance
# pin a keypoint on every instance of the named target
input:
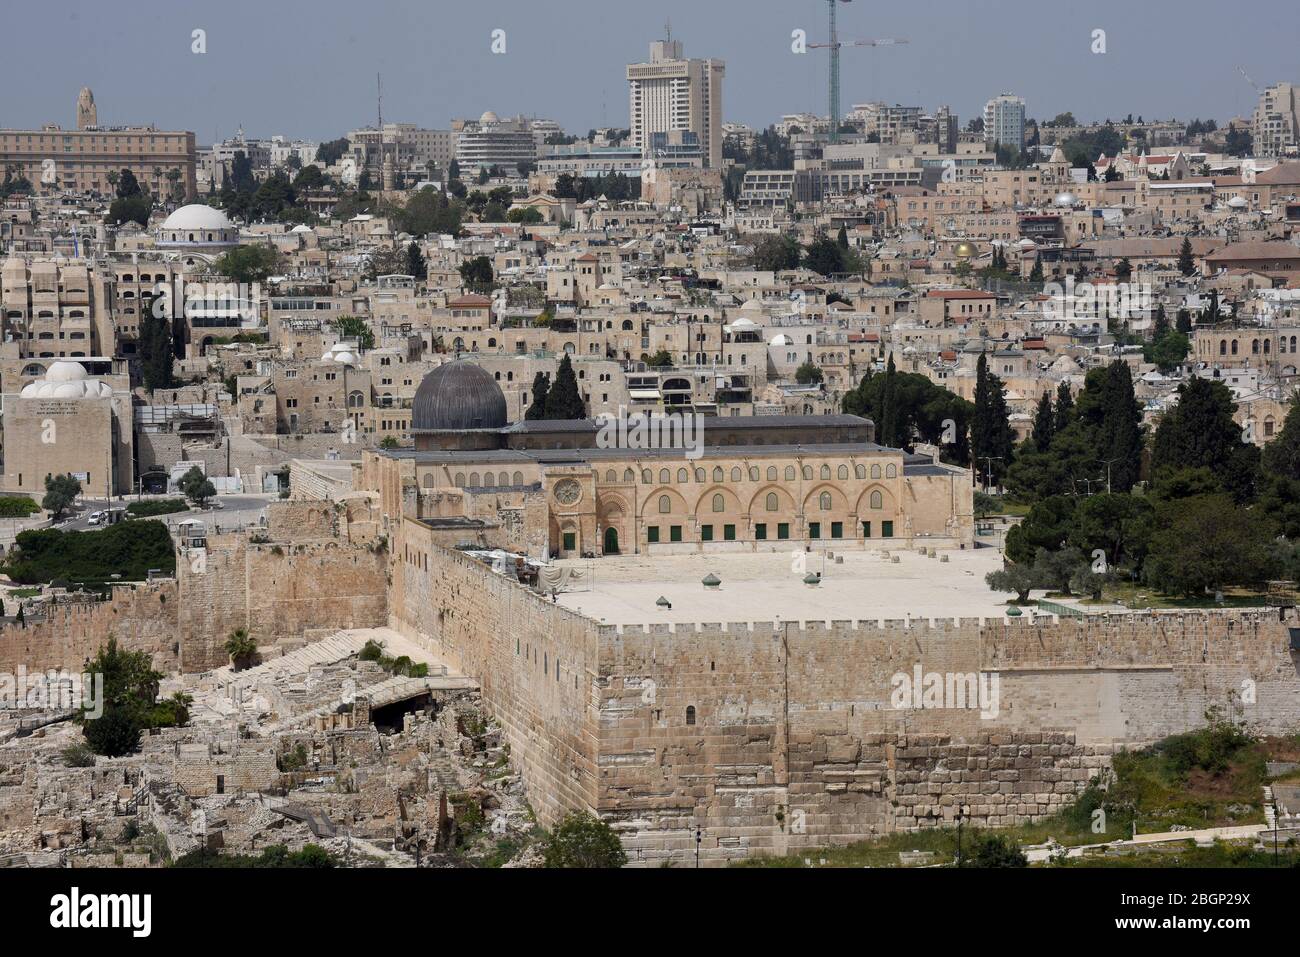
(330, 650)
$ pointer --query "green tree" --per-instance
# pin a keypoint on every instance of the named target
(582, 840)
(196, 486)
(1186, 263)
(415, 264)
(808, 373)
(1120, 441)
(1044, 423)
(1015, 577)
(1063, 410)
(1047, 526)
(248, 264)
(477, 274)
(991, 438)
(354, 327)
(156, 344)
(997, 850)
(126, 209)
(775, 253)
(60, 492)
(564, 401)
(825, 257)
(541, 386)
(1207, 542)
(1200, 431)
(241, 647)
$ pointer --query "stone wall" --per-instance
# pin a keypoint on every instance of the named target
(140, 617)
(281, 592)
(535, 662)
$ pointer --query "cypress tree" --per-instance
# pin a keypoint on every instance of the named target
(1064, 410)
(1186, 264)
(1121, 428)
(1044, 423)
(889, 407)
(564, 401)
(541, 386)
(991, 436)
(1036, 274)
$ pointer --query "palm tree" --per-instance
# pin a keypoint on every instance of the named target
(241, 648)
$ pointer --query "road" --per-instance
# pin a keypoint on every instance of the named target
(234, 510)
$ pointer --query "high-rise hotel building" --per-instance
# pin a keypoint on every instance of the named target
(671, 93)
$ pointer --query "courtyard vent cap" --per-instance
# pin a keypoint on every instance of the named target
(663, 602)
(812, 579)
(711, 580)
(1014, 612)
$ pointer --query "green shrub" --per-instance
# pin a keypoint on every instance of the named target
(115, 734)
(17, 506)
(583, 840)
(997, 850)
(163, 506)
(79, 755)
(128, 549)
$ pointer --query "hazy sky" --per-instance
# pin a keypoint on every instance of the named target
(307, 69)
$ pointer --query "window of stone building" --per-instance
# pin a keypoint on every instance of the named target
(877, 500)
(842, 472)
(503, 479)
(773, 503)
(646, 477)
(826, 472)
(814, 529)
(891, 471)
(771, 473)
(760, 532)
(837, 529)
(789, 473)
(875, 471)
(706, 533)
(866, 529)
(488, 480)
(887, 529)
(783, 530)
(665, 504)
(690, 714)
(700, 475)
(736, 474)
(629, 476)
(652, 534)
(717, 473)
(860, 471)
(807, 473)
(824, 501)
(719, 503)
(664, 477)
(610, 477)
(729, 533)
(674, 533)
(683, 476)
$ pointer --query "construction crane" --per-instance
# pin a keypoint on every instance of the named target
(834, 46)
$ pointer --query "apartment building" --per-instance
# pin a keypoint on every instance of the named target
(1275, 125)
(1004, 121)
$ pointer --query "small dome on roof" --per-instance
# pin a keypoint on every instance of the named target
(1238, 202)
(458, 396)
(63, 371)
(1065, 199)
(197, 216)
(488, 117)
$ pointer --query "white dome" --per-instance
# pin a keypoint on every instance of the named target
(301, 228)
(1238, 202)
(488, 117)
(781, 340)
(742, 325)
(1027, 244)
(197, 216)
(345, 358)
(30, 390)
(1065, 199)
(69, 390)
(63, 371)
(752, 306)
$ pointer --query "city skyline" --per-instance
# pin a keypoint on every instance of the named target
(960, 55)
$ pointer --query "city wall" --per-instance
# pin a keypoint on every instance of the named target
(773, 738)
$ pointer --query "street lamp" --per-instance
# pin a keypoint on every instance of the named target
(699, 838)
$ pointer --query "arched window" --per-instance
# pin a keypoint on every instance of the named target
(503, 480)
(1254, 347)
(629, 476)
(460, 480)
(665, 504)
(646, 476)
(690, 714)
(1223, 347)
(771, 473)
(473, 480)
(824, 501)
(826, 472)
(753, 473)
(877, 500)
(789, 473)
(719, 503)
(1267, 342)
(875, 471)
(519, 478)
(842, 472)
(664, 477)
(683, 476)
(807, 473)
(488, 480)
(891, 471)
(700, 475)
(717, 473)
(1234, 347)
(772, 503)
(611, 477)
(860, 471)
(428, 480)
(736, 474)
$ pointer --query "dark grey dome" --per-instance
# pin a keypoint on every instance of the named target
(458, 396)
